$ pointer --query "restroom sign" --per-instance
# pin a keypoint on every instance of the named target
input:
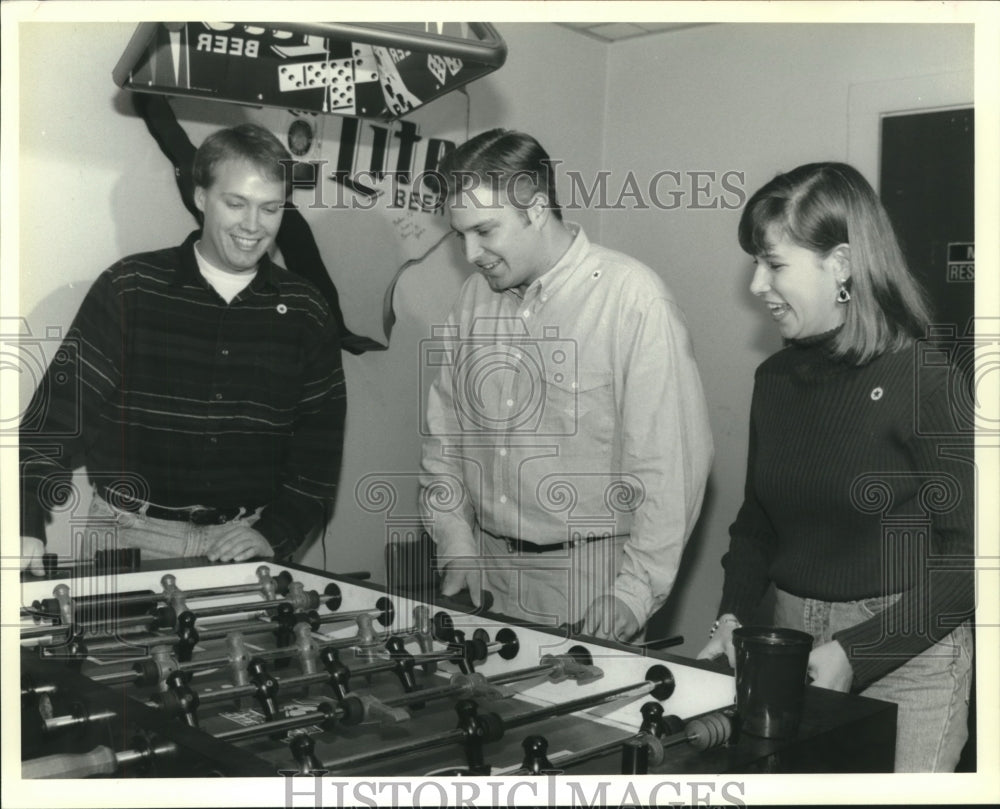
(961, 262)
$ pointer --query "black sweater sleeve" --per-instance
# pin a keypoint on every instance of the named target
(751, 544)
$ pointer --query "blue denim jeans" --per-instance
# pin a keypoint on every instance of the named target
(109, 527)
(931, 689)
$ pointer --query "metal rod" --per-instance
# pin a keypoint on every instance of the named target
(203, 592)
(429, 694)
(625, 692)
(444, 739)
(521, 674)
(59, 722)
(228, 609)
(279, 725)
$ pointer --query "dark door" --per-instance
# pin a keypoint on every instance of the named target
(927, 186)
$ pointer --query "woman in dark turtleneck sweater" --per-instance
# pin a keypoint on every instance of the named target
(859, 494)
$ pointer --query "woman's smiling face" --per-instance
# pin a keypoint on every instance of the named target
(799, 288)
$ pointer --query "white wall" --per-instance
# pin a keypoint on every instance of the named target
(748, 98)
(93, 185)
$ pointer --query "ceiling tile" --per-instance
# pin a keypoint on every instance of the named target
(616, 31)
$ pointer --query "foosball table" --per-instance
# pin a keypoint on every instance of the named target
(263, 669)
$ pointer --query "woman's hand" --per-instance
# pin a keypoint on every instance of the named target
(830, 668)
(721, 642)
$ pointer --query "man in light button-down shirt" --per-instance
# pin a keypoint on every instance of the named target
(567, 443)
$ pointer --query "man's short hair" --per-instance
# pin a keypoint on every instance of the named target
(505, 160)
(248, 142)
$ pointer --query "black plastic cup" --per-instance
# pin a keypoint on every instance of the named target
(771, 666)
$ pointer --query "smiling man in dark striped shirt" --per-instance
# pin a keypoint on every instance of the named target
(200, 385)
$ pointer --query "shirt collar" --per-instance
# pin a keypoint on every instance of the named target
(553, 278)
(188, 273)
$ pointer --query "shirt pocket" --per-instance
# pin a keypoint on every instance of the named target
(582, 407)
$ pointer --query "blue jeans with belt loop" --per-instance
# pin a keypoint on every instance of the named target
(931, 690)
(110, 527)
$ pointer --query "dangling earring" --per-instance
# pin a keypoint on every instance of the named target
(843, 296)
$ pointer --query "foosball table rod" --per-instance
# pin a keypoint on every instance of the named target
(298, 597)
(325, 716)
(154, 668)
(575, 665)
(78, 646)
(79, 718)
(111, 603)
(73, 641)
(69, 635)
(102, 760)
(39, 725)
(156, 618)
(286, 617)
(659, 684)
(30, 689)
(474, 728)
(181, 700)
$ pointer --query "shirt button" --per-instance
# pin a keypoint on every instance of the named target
(503, 452)
(214, 439)
(218, 396)
(225, 352)
(510, 403)
(526, 313)
(503, 498)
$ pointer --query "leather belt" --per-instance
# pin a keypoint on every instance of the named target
(196, 515)
(523, 546)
